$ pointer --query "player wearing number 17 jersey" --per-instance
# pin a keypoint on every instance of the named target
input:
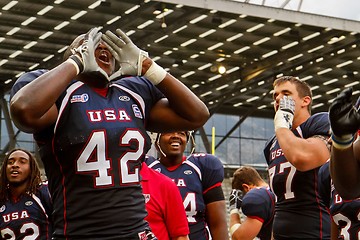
(92, 132)
(199, 178)
(294, 155)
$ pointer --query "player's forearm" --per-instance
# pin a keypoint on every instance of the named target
(30, 105)
(183, 101)
(39, 95)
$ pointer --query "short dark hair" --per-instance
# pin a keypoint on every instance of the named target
(245, 175)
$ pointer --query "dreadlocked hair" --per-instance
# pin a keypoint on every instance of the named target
(35, 177)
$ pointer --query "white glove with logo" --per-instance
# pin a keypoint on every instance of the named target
(284, 116)
(130, 57)
(83, 57)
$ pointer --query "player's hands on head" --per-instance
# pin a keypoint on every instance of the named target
(130, 57)
(284, 116)
(84, 56)
(235, 199)
(344, 118)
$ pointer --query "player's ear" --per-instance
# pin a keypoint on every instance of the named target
(246, 187)
(306, 101)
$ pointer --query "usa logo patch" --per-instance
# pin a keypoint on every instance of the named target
(80, 98)
(137, 111)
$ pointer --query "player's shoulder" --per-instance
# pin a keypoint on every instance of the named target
(150, 160)
(317, 124)
(324, 169)
(205, 159)
(32, 74)
(25, 79)
(132, 82)
(43, 190)
(321, 116)
(259, 195)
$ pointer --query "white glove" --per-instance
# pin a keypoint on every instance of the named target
(83, 56)
(235, 199)
(130, 57)
(284, 116)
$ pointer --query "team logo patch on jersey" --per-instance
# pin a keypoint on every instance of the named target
(29, 203)
(80, 98)
(137, 111)
(188, 172)
(147, 197)
(273, 144)
(124, 98)
(2, 209)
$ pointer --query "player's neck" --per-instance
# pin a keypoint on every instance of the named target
(171, 161)
(300, 118)
(101, 91)
(16, 192)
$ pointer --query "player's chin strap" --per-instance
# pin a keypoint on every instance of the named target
(157, 142)
(189, 136)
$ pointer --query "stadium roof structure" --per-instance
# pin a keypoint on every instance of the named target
(191, 39)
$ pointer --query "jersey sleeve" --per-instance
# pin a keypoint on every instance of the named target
(45, 198)
(256, 204)
(212, 171)
(317, 124)
(324, 183)
(267, 148)
(145, 88)
(24, 80)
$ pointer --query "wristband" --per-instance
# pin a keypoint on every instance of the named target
(155, 73)
(342, 143)
(74, 60)
(234, 228)
(235, 210)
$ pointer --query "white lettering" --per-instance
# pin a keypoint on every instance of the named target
(123, 116)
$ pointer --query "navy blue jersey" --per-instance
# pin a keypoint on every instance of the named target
(194, 177)
(299, 214)
(27, 218)
(92, 157)
(259, 203)
(345, 213)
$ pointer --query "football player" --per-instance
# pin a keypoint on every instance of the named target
(25, 204)
(345, 213)
(345, 152)
(294, 155)
(90, 116)
(199, 178)
(257, 204)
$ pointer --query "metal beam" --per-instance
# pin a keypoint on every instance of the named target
(8, 123)
(272, 13)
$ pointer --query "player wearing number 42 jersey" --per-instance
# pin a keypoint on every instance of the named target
(199, 178)
(294, 155)
(89, 120)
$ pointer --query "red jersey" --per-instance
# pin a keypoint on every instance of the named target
(166, 214)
